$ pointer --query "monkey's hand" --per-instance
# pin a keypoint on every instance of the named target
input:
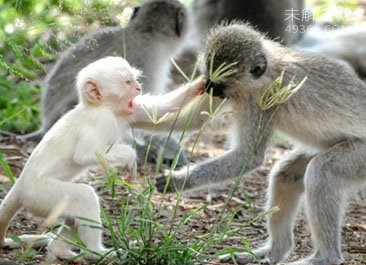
(169, 183)
(122, 155)
(196, 88)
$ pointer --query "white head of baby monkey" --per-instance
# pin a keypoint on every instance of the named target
(110, 81)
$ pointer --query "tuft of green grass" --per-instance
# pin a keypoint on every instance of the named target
(276, 93)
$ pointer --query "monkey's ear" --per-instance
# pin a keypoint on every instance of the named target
(134, 14)
(91, 91)
(179, 22)
(258, 66)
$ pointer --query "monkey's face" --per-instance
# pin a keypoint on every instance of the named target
(165, 18)
(125, 89)
(233, 61)
(110, 82)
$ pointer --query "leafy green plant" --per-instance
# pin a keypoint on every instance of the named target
(18, 106)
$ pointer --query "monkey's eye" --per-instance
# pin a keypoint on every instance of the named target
(128, 82)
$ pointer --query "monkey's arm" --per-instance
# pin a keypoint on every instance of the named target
(116, 154)
(121, 155)
(250, 141)
(189, 117)
(94, 141)
(160, 105)
(226, 166)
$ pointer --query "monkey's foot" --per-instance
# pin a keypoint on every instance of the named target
(169, 184)
(62, 254)
(161, 148)
(239, 258)
(105, 252)
(245, 258)
(58, 249)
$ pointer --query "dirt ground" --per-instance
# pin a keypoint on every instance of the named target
(253, 187)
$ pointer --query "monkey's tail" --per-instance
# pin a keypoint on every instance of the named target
(33, 136)
(36, 241)
(8, 208)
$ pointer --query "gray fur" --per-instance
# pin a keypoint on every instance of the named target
(326, 119)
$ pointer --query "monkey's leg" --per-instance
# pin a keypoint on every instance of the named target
(78, 200)
(8, 208)
(86, 208)
(57, 248)
(329, 176)
(285, 189)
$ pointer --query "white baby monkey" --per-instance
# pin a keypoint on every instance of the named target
(107, 89)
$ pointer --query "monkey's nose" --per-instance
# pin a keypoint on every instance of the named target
(138, 89)
(217, 88)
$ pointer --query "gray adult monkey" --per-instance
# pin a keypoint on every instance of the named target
(326, 119)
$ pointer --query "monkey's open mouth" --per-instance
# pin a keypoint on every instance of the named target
(216, 87)
(130, 106)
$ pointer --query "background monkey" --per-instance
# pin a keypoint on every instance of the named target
(325, 118)
(107, 108)
(267, 16)
(342, 44)
(153, 35)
